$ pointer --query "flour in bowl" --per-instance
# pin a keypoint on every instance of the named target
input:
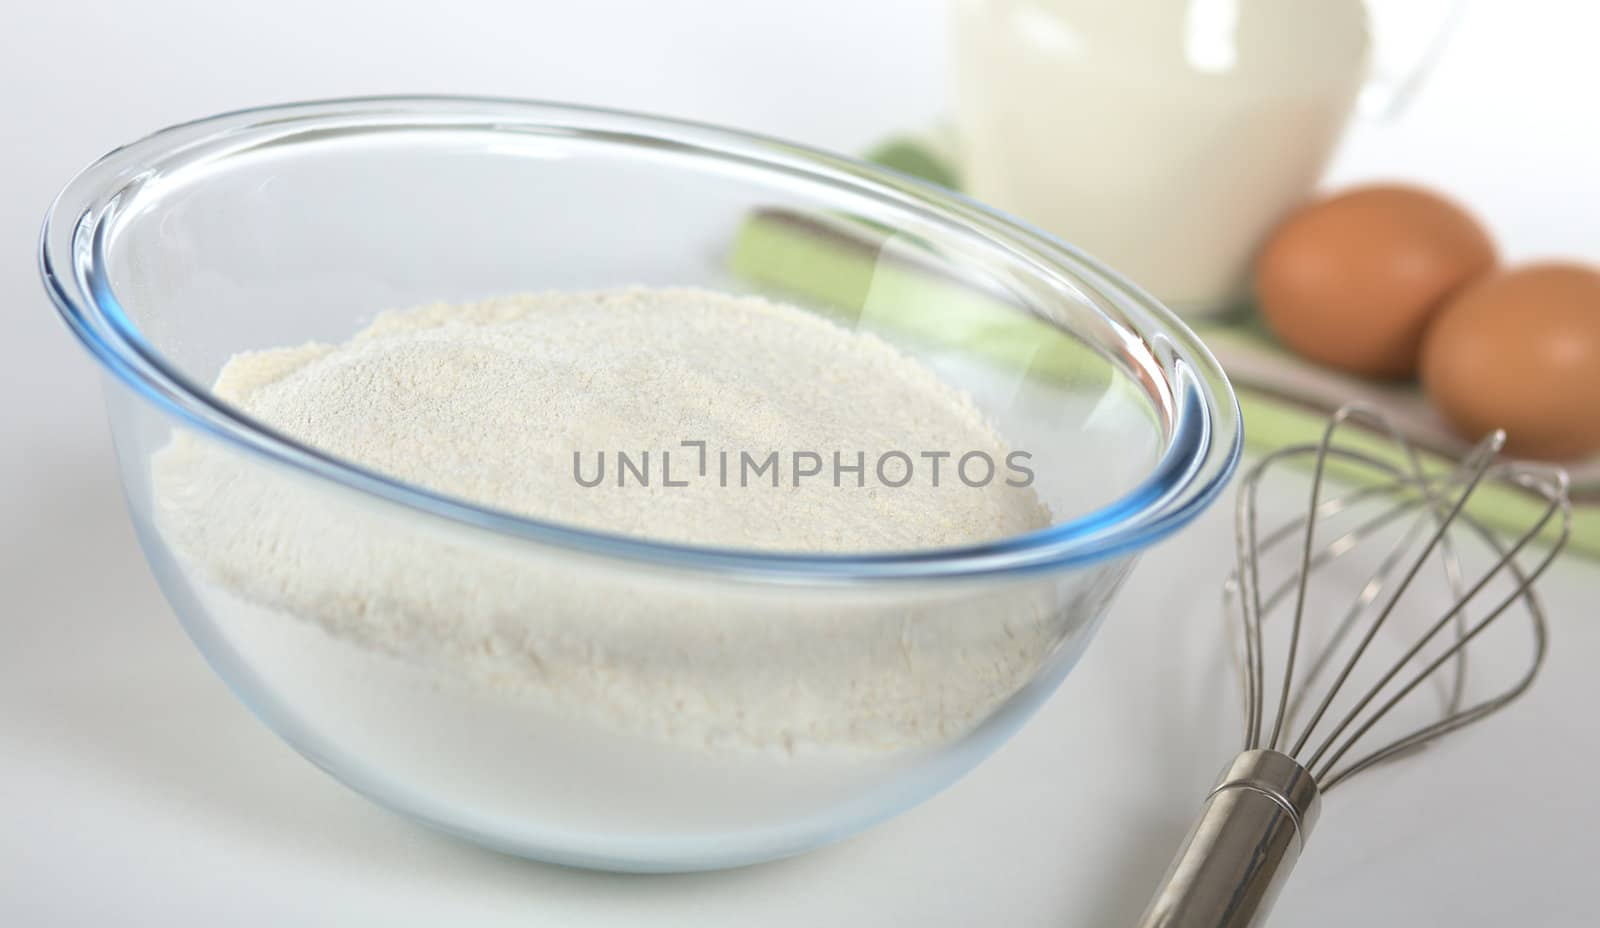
(677, 415)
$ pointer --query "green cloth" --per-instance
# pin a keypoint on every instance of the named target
(854, 268)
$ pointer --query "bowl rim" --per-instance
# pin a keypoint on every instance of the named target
(1203, 424)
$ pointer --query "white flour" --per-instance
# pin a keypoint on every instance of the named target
(488, 402)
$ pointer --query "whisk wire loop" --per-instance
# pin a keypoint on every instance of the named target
(1476, 466)
(1407, 489)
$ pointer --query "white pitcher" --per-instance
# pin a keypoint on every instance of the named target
(1167, 137)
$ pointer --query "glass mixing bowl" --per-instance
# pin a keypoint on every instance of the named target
(599, 700)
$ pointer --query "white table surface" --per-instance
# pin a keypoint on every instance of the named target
(135, 790)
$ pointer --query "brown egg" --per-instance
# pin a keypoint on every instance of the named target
(1351, 281)
(1520, 351)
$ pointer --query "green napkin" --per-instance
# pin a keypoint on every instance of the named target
(855, 271)
(853, 268)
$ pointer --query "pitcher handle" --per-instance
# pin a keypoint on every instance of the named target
(1410, 37)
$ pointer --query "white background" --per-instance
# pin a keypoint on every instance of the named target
(133, 790)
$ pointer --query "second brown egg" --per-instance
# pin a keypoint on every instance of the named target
(1520, 351)
(1351, 281)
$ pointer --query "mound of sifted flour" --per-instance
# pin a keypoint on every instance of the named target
(491, 402)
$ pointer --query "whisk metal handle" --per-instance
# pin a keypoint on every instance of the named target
(1242, 848)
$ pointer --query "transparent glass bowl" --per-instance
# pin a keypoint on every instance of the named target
(673, 707)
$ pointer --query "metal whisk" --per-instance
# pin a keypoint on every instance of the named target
(1256, 820)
